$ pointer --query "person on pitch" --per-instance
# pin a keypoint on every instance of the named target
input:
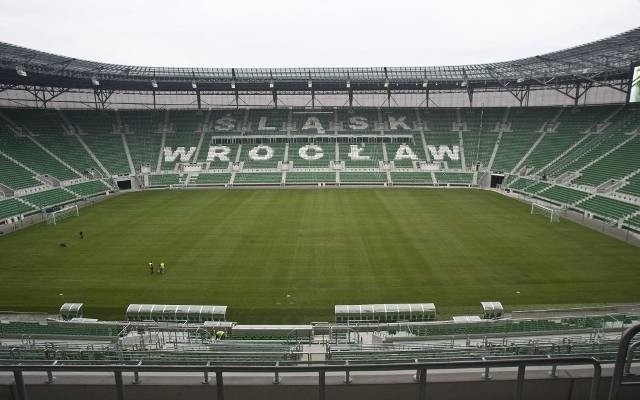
(162, 268)
(151, 268)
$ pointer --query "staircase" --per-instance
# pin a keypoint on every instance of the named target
(630, 138)
(132, 170)
(462, 158)
(13, 160)
(495, 151)
(533, 147)
(67, 126)
(564, 153)
(54, 156)
(424, 139)
(93, 156)
(163, 140)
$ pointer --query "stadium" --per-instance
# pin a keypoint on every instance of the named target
(466, 231)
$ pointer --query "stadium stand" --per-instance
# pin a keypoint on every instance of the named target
(537, 187)
(453, 178)
(49, 198)
(14, 176)
(212, 179)
(564, 195)
(480, 135)
(416, 178)
(609, 208)
(87, 189)
(142, 137)
(368, 157)
(328, 155)
(526, 128)
(634, 221)
(298, 177)
(633, 187)
(262, 151)
(13, 207)
(164, 179)
(615, 165)
(363, 177)
(28, 153)
(258, 178)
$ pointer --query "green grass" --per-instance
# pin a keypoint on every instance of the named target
(285, 256)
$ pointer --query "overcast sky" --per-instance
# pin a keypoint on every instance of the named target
(302, 33)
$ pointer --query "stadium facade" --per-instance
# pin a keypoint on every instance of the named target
(554, 129)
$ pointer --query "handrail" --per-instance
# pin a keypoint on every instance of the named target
(321, 370)
(621, 358)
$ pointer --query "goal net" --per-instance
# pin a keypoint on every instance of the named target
(58, 215)
(552, 214)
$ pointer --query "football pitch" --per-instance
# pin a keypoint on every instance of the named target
(287, 256)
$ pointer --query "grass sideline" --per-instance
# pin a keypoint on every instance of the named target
(287, 256)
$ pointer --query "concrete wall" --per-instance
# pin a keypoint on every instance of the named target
(442, 386)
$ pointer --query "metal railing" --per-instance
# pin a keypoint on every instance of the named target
(623, 361)
(321, 371)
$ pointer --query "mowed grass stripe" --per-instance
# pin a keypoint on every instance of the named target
(287, 256)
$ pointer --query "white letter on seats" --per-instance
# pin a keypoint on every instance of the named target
(395, 123)
(438, 155)
(262, 125)
(225, 124)
(358, 123)
(267, 153)
(354, 154)
(219, 152)
(303, 152)
(405, 153)
(313, 123)
(185, 156)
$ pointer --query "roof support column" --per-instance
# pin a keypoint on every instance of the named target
(274, 94)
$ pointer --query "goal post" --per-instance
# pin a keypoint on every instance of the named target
(553, 214)
(56, 216)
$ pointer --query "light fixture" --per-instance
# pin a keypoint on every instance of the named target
(464, 83)
(348, 84)
(271, 85)
(520, 80)
(194, 85)
(425, 84)
(20, 70)
(309, 84)
(95, 81)
(154, 84)
(233, 85)
(386, 84)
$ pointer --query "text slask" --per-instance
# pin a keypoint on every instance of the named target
(228, 123)
(309, 152)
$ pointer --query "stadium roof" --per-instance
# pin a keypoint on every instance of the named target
(602, 60)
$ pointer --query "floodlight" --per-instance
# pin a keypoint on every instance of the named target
(464, 83)
(309, 84)
(154, 84)
(386, 84)
(520, 80)
(194, 85)
(348, 84)
(95, 81)
(233, 85)
(271, 85)
(425, 84)
(20, 70)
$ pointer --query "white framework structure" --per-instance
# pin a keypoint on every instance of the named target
(58, 215)
(552, 213)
